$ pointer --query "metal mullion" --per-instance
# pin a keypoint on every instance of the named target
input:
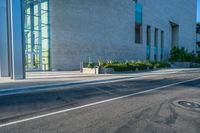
(49, 58)
(32, 33)
(40, 34)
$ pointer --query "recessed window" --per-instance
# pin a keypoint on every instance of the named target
(162, 45)
(175, 34)
(156, 44)
(138, 33)
(148, 43)
(138, 23)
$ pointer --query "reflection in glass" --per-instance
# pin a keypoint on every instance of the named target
(36, 33)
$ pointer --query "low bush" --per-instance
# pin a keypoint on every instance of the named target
(119, 67)
(127, 65)
(162, 64)
(197, 58)
(89, 65)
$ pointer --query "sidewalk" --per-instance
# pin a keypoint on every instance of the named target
(45, 80)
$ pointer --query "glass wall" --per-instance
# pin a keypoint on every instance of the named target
(36, 33)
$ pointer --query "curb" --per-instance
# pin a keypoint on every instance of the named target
(48, 87)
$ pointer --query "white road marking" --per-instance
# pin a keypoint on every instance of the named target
(92, 104)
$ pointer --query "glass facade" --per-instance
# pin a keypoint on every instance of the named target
(36, 33)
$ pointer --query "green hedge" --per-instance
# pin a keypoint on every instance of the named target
(127, 65)
(140, 65)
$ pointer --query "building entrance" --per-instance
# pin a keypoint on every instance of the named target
(37, 35)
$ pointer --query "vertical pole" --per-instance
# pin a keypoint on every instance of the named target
(17, 39)
(32, 54)
(49, 35)
(9, 37)
(40, 35)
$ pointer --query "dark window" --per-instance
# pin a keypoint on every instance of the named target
(148, 43)
(156, 45)
(162, 45)
(138, 33)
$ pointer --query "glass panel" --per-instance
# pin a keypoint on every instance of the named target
(36, 31)
(138, 23)
(148, 50)
(138, 13)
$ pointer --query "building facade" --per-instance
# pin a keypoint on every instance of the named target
(60, 34)
(119, 30)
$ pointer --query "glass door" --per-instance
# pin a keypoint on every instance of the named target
(33, 62)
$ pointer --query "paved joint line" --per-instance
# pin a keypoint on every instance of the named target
(93, 104)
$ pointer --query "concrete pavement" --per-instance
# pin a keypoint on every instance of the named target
(44, 81)
(154, 111)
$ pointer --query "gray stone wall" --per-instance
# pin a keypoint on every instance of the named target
(159, 14)
(104, 29)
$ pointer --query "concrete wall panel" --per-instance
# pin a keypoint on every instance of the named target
(104, 29)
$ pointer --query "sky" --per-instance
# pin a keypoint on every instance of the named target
(198, 11)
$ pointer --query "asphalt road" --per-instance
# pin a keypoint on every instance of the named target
(87, 109)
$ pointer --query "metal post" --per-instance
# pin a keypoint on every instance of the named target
(32, 53)
(17, 39)
(40, 35)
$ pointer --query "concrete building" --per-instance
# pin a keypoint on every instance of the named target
(119, 30)
(59, 34)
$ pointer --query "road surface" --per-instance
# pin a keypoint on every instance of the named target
(145, 105)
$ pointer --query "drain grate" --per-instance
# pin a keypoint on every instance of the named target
(188, 104)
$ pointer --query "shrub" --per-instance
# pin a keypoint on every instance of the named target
(89, 65)
(178, 54)
(127, 65)
(181, 55)
(197, 58)
(163, 64)
(101, 63)
(118, 67)
(133, 65)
